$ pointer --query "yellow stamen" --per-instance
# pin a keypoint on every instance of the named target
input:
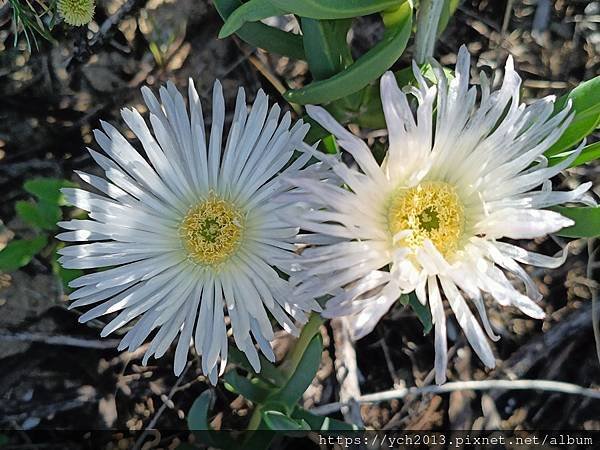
(211, 231)
(432, 210)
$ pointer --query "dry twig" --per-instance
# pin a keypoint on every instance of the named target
(58, 340)
(484, 385)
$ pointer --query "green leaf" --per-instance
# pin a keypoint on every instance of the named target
(292, 360)
(42, 215)
(585, 100)
(48, 189)
(422, 311)
(316, 131)
(66, 275)
(198, 413)
(260, 35)
(587, 221)
(251, 11)
(335, 9)
(588, 153)
(325, 45)
(19, 252)
(268, 371)
(302, 374)
(250, 389)
(363, 71)
(198, 422)
(322, 423)
(330, 145)
(449, 8)
(278, 421)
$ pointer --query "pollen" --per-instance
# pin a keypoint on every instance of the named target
(211, 231)
(432, 210)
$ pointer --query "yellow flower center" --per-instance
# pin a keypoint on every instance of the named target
(211, 231)
(432, 210)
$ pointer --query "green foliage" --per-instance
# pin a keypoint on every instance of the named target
(585, 100)
(41, 214)
(589, 153)
(48, 189)
(450, 7)
(252, 11)
(33, 19)
(278, 421)
(587, 221)
(263, 36)
(422, 311)
(325, 46)
(19, 252)
(253, 389)
(275, 393)
(366, 69)
(322, 423)
(256, 10)
(198, 422)
(335, 9)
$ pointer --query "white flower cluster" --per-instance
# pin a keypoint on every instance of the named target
(202, 234)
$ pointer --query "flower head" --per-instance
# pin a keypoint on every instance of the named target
(431, 217)
(76, 12)
(192, 230)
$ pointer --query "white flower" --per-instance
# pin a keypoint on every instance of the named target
(430, 218)
(192, 230)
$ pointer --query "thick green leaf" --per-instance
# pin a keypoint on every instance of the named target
(363, 71)
(19, 252)
(48, 189)
(198, 413)
(302, 375)
(269, 373)
(252, 11)
(589, 153)
(42, 215)
(278, 421)
(585, 100)
(335, 9)
(422, 311)
(310, 330)
(198, 423)
(587, 221)
(250, 389)
(260, 35)
(450, 7)
(322, 423)
(325, 46)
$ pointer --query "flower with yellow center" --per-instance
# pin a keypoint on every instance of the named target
(458, 177)
(193, 231)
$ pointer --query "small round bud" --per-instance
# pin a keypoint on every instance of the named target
(76, 12)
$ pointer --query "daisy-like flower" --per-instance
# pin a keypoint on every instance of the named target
(431, 217)
(191, 230)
